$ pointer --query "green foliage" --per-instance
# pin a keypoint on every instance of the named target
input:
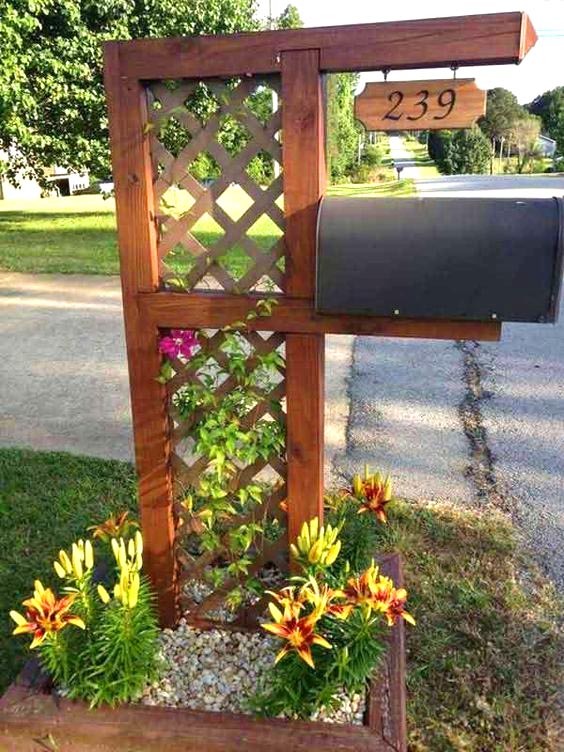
(502, 112)
(358, 536)
(122, 653)
(289, 19)
(226, 515)
(524, 135)
(550, 108)
(332, 621)
(52, 105)
(464, 152)
(295, 690)
(342, 128)
(371, 155)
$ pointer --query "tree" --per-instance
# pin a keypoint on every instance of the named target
(550, 108)
(467, 152)
(438, 145)
(289, 19)
(342, 128)
(52, 104)
(502, 112)
(524, 135)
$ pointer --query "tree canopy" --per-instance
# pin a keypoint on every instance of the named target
(502, 111)
(52, 105)
(550, 108)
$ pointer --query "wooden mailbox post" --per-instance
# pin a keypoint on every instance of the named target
(296, 59)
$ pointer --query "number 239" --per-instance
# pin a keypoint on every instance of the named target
(446, 100)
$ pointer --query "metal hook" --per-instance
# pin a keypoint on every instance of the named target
(385, 72)
(454, 68)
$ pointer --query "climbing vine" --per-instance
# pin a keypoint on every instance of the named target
(224, 513)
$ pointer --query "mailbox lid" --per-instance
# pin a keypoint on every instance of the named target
(441, 258)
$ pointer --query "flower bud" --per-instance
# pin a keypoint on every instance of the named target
(88, 555)
(115, 549)
(65, 561)
(103, 593)
(139, 542)
(76, 562)
(332, 553)
(59, 570)
(134, 590)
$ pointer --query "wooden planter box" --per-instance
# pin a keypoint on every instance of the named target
(34, 719)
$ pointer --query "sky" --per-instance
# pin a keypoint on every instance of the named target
(542, 69)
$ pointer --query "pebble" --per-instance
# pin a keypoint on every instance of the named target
(218, 669)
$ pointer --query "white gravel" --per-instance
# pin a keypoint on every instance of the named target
(217, 670)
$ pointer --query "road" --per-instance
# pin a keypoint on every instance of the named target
(63, 370)
(403, 158)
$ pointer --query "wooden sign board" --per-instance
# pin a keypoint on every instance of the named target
(420, 105)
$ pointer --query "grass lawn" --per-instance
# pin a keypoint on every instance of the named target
(483, 660)
(77, 234)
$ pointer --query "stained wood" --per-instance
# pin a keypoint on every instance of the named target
(386, 711)
(298, 315)
(303, 126)
(417, 105)
(488, 39)
(139, 271)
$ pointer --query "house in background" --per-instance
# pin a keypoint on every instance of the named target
(546, 145)
(61, 183)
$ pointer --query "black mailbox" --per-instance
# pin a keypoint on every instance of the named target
(440, 258)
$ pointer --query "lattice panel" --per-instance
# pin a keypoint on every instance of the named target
(216, 155)
(202, 596)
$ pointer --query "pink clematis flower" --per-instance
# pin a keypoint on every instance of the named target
(180, 342)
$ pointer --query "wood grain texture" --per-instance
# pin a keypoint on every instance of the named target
(416, 105)
(298, 315)
(386, 711)
(489, 39)
(303, 126)
(31, 714)
(139, 271)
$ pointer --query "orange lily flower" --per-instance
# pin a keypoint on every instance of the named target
(288, 599)
(45, 615)
(365, 590)
(298, 631)
(396, 608)
(114, 527)
(374, 492)
(322, 599)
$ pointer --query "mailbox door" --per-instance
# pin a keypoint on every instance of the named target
(453, 258)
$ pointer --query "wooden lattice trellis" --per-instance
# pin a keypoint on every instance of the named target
(224, 104)
(188, 467)
(191, 120)
(165, 261)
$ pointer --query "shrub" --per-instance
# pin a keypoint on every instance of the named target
(96, 646)
(332, 619)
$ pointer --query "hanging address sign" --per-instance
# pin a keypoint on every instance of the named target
(420, 105)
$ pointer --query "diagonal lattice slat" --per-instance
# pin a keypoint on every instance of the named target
(191, 121)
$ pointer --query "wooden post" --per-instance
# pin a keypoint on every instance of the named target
(139, 272)
(304, 184)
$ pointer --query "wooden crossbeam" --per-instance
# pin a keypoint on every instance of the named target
(489, 39)
(212, 310)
